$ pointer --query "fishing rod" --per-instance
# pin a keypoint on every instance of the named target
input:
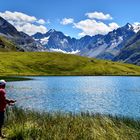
(28, 98)
(25, 98)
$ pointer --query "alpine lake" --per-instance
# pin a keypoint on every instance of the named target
(115, 95)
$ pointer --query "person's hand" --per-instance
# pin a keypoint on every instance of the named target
(12, 102)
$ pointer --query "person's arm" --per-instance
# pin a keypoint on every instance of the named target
(10, 102)
(4, 100)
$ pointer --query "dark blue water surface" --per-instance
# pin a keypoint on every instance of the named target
(97, 94)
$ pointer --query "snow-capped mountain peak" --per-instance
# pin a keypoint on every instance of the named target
(129, 26)
(136, 27)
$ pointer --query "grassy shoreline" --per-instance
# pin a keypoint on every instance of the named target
(22, 78)
(14, 78)
(28, 125)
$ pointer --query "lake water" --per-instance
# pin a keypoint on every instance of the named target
(96, 94)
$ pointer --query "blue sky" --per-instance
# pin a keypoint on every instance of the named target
(83, 15)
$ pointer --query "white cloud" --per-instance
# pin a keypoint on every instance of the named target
(66, 21)
(31, 29)
(17, 16)
(99, 15)
(92, 27)
(113, 26)
(25, 23)
(41, 21)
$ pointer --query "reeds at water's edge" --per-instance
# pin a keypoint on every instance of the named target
(28, 125)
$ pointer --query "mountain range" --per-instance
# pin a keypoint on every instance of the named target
(122, 44)
(109, 46)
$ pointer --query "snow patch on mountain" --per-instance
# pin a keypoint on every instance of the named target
(64, 41)
(62, 51)
(130, 26)
(51, 31)
(116, 42)
(136, 27)
(45, 40)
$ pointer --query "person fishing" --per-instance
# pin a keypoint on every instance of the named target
(3, 102)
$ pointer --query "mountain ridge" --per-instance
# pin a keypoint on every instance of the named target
(88, 45)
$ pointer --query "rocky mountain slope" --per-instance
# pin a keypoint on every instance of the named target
(131, 51)
(23, 41)
(109, 46)
(56, 41)
(6, 45)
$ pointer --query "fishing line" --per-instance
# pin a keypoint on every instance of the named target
(29, 97)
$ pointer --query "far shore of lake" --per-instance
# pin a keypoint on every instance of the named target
(14, 78)
(27, 77)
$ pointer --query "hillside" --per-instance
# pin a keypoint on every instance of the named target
(6, 45)
(44, 63)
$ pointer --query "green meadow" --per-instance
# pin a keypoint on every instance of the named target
(46, 63)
